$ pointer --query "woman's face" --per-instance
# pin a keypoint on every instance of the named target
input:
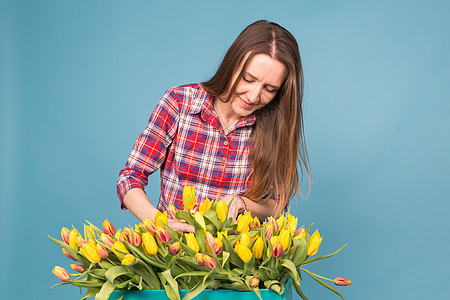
(259, 84)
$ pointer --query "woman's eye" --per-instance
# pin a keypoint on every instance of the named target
(270, 90)
(247, 80)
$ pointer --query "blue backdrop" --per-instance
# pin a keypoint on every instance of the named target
(79, 79)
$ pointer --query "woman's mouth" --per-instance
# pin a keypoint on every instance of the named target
(245, 104)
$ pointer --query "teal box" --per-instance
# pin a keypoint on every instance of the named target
(219, 294)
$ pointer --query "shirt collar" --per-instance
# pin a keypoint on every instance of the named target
(203, 102)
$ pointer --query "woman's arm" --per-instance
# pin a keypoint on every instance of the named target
(261, 209)
(140, 206)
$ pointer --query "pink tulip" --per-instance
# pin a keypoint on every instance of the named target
(342, 281)
(108, 228)
(68, 254)
(65, 233)
(107, 240)
(78, 267)
(61, 273)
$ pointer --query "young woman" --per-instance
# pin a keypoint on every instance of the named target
(239, 134)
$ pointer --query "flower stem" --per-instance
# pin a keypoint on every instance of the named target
(319, 275)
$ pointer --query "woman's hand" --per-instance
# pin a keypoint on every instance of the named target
(180, 226)
(236, 206)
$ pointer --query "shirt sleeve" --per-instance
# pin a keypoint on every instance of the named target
(149, 150)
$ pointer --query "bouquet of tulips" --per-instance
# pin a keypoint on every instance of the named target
(245, 256)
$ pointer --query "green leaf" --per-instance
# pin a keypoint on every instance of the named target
(185, 215)
(225, 257)
(146, 258)
(331, 288)
(200, 236)
(234, 258)
(299, 254)
(292, 270)
(91, 292)
(105, 291)
(148, 275)
(310, 260)
(197, 289)
(172, 287)
(275, 286)
(212, 216)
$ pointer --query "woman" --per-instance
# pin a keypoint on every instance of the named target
(239, 134)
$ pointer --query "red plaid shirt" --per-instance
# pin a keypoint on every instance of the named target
(185, 139)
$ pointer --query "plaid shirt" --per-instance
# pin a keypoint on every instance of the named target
(185, 139)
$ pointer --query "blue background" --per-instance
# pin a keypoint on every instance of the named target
(79, 80)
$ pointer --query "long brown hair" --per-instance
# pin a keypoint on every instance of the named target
(278, 142)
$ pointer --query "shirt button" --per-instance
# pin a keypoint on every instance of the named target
(224, 159)
(226, 143)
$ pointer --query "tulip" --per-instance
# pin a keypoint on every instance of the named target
(102, 251)
(280, 221)
(188, 196)
(191, 241)
(256, 223)
(128, 259)
(73, 239)
(214, 244)
(203, 208)
(66, 253)
(243, 252)
(209, 262)
(108, 228)
(254, 282)
(80, 241)
(119, 249)
(245, 238)
(89, 232)
(150, 226)
(107, 240)
(174, 249)
(291, 223)
(136, 239)
(314, 243)
(65, 233)
(90, 252)
(198, 217)
(172, 211)
(160, 218)
(299, 233)
(284, 238)
(268, 231)
(149, 243)
(275, 226)
(163, 235)
(222, 210)
(243, 222)
(61, 273)
(123, 236)
(200, 259)
(258, 247)
(277, 249)
(194, 209)
(342, 281)
(126, 230)
(78, 267)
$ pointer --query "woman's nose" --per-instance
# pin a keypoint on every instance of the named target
(254, 94)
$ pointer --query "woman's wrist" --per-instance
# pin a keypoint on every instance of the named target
(243, 203)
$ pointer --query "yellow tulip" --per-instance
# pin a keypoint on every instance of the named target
(149, 225)
(149, 243)
(188, 196)
(291, 223)
(73, 239)
(160, 218)
(245, 238)
(198, 217)
(284, 238)
(203, 208)
(258, 247)
(191, 241)
(314, 243)
(89, 251)
(222, 210)
(128, 259)
(89, 232)
(244, 222)
(280, 221)
(299, 233)
(119, 247)
(243, 252)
